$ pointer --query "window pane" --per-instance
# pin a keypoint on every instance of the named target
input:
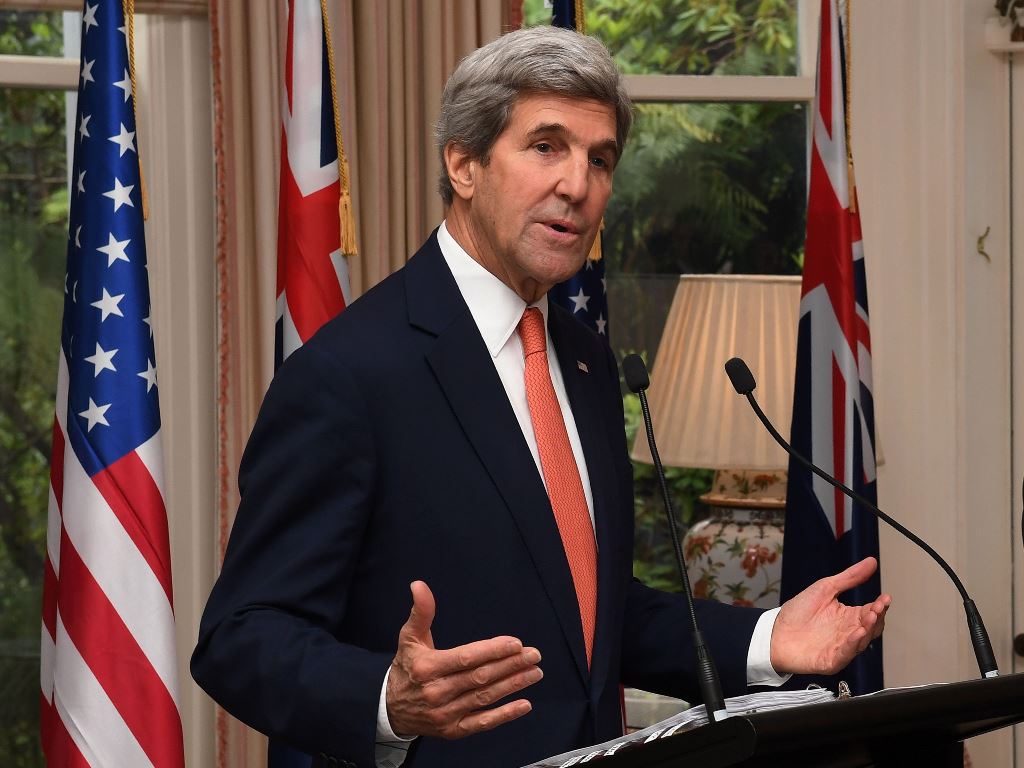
(691, 37)
(701, 188)
(29, 33)
(33, 232)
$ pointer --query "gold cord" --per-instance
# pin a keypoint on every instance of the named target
(128, 6)
(581, 21)
(346, 214)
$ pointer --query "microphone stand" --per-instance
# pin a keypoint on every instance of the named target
(743, 381)
(707, 675)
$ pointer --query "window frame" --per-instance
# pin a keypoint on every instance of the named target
(62, 73)
(732, 88)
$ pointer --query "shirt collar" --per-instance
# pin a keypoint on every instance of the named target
(496, 308)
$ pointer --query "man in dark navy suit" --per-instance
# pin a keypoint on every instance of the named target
(453, 435)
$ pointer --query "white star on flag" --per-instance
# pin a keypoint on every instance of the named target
(81, 182)
(94, 414)
(147, 322)
(600, 323)
(114, 250)
(89, 17)
(78, 231)
(149, 375)
(121, 195)
(579, 301)
(108, 305)
(83, 126)
(125, 85)
(125, 140)
(102, 360)
(87, 72)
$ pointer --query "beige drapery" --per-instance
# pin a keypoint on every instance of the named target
(391, 59)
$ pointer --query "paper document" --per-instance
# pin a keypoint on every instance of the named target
(691, 718)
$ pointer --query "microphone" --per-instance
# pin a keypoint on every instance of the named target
(635, 373)
(743, 382)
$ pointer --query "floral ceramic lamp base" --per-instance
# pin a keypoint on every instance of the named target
(735, 555)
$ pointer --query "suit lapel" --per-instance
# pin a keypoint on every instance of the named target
(582, 387)
(464, 370)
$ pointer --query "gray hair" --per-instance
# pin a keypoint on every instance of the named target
(478, 98)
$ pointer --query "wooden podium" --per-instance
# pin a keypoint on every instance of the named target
(922, 726)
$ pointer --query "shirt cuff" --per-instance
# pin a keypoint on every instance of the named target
(759, 656)
(391, 749)
(384, 731)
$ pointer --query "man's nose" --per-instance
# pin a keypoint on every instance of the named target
(574, 180)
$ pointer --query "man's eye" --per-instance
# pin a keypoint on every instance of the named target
(542, 147)
(600, 162)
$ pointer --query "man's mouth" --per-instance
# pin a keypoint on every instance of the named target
(563, 227)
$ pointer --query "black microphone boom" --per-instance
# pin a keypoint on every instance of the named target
(637, 380)
(743, 381)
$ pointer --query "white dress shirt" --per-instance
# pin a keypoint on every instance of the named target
(497, 310)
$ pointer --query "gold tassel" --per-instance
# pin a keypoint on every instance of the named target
(348, 223)
(346, 217)
(595, 250)
(852, 183)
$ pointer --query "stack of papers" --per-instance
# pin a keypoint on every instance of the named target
(690, 718)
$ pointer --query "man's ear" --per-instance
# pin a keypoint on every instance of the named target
(460, 168)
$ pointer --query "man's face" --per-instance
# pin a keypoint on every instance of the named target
(530, 215)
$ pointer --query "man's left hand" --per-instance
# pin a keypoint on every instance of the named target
(816, 634)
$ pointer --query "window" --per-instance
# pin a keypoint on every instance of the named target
(33, 232)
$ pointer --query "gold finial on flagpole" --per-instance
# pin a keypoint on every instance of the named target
(346, 213)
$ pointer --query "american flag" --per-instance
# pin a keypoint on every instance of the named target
(833, 406)
(108, 665)
(584, 294)
(312, 272)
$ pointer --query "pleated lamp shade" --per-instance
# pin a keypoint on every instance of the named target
(699, 420)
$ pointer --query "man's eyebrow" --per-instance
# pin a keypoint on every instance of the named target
(610, 145)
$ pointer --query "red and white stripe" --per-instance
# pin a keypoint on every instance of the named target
(108, 682)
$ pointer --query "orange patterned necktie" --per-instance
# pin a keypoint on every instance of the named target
(561, 475)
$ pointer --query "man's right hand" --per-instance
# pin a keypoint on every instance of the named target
(447, 693)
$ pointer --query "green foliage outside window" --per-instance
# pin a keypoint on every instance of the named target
(33, 237)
